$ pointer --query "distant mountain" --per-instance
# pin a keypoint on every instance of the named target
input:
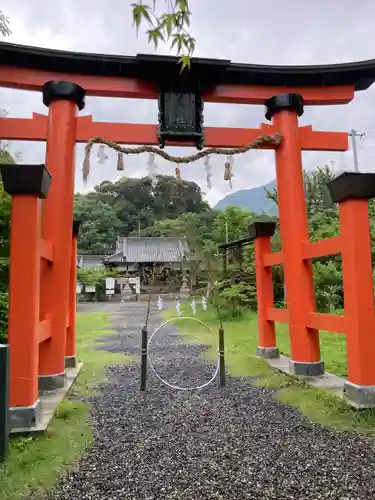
(253, 199)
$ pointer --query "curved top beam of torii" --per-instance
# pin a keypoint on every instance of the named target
(219, 80)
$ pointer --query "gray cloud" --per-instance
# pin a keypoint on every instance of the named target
(240, 30)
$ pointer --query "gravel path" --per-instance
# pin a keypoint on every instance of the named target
(232, 443)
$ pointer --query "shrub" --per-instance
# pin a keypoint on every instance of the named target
(3, 317)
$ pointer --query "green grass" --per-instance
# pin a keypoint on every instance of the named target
(329, 410)
(241, 340)
(332, 345)
(35, 463)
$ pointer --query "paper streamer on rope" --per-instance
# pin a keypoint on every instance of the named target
(159, 303)
(120, 161)
(204, 303)
(178, 176)
(152, 170)
(178, 308)
(194, 307)
(257, 143)
(101, 156)
(228, 170)
(208, 169)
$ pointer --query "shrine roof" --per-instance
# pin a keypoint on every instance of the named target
(90, 261)
(208, 72)
(151, 249)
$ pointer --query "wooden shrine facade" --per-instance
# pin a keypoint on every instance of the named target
(161, 263)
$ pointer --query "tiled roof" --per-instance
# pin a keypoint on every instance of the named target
(90, 261)
(158, 249)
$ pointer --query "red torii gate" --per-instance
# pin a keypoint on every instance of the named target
(42, 321)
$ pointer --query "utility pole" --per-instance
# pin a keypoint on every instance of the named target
(139, 227)
(353, 134)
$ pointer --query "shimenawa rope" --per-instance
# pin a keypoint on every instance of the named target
(260, 141)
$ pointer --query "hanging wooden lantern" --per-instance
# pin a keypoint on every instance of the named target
(180, 116)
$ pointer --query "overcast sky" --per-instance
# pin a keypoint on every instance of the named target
(301, 32)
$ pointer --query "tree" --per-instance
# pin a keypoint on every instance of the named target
(324, 223)
(169, 27)
(233, 220)
(316, 191)
(238, 291)
(94, 276)
(317, 194)
(99, 224)
(124, 207)
(5, 209)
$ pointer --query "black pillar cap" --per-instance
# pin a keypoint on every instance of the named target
(289, 102)
(352, 186)
(26, 180)
(76, 224)
(262, 229)
(60, 90)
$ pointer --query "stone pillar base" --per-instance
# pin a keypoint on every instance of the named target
(306, 369)
(51, 382)
(267, 352)
(24, 417)
(361, 396)
(71, 361)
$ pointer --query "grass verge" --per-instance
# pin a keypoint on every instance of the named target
(35, 463)
(241, 340)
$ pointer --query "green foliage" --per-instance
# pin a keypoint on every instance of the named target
(233, 222)
(324, 222)
(129, 205)
(92, 276)
(3, 317)
(328, 285)
(5, 208)
(317, 195)
(316, 191)
(238, 296)
(99, 223)
(168, 27)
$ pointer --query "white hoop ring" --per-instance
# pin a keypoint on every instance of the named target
(163, 381)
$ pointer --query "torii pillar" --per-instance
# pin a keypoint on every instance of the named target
(285, 109)
(63, 99)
